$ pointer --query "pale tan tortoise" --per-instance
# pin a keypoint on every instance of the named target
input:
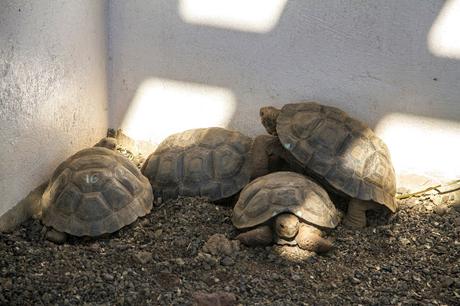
(214, 162)
(339, 151)
(94, 192)
(286, 208)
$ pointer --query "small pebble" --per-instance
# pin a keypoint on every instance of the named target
(220, 298)
(404, 241)
(179, 261)
(447, 281)
(457, 222)
(6, 283)
(143, 257)
(354, 280)
(227, 261)
(157, 233)
(440, 210)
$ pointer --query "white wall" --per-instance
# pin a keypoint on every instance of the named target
(370, 58)
(53, 88)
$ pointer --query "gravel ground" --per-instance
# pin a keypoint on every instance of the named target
(411, 257)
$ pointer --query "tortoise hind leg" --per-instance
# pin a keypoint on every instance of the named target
(56, 236)
(260, 236)
(309, 238)
(356, 214)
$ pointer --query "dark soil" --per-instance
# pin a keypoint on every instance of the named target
(411, 257)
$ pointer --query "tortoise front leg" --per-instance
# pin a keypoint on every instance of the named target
(356, 214)
(259, 236)
(309, 238)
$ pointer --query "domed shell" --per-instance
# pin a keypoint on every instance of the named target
(209, 162)
(95, 191)
(284, 191)
(339, 149)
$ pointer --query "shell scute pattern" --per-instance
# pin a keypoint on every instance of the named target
(198, 165)
(278, 192)
(92, 207)
(57, 185)
(208, 162)
(167, 168)
(117, 195)
(93, 192)
(127, 180)
(339, 149)
(226, 162)
(67, 200)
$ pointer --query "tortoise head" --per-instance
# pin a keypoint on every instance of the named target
(268, 116)
(265, 155)
(107, 142)
(287, 225)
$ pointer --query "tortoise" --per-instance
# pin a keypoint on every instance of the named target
(108, 143)
(122, 144)
(287, 208)
(337, 150)
(209, 162)
(94, 192)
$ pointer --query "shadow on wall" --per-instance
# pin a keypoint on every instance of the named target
(372, 60)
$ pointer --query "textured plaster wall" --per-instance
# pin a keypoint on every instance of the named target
(53, 90)
(370, 58)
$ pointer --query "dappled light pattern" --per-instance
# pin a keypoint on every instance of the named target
(259, 16)
(162, 107)
(444, 36)
(437, 142)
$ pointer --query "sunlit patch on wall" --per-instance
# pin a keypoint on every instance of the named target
(422, 145)
(258, 16)
(162, 107)
(444, 36)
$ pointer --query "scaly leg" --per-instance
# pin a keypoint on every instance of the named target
(260, 236)
(356, 215)
(309, 238)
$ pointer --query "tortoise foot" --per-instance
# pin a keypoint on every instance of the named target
(309, 239)
(56, 236)
(356, 214)
(260, 236)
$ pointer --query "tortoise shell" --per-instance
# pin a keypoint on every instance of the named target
(284, 191)
(93, 192)
(340, 150)
(209, 162)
